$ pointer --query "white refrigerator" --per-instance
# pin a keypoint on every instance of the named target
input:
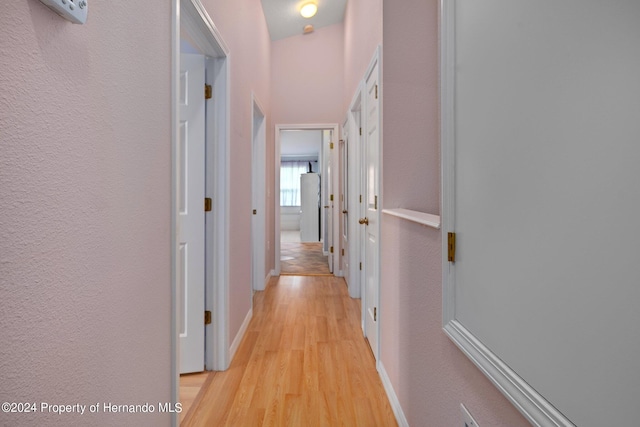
(310, 207)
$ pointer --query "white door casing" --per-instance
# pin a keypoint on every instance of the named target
(354, 201)
(191, 192)
(329, 203)
(344, 203)
(190, 19)
(372, 205)
(333, 128)
(258, 185)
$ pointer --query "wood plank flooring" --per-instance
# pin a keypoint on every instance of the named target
(192, 388)
(303, 259)
(303, 362)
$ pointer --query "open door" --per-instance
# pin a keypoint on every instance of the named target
(258, 183)
(371, 221)
(191, 193)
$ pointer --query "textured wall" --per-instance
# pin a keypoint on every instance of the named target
(430, 376)
(411, 110)
(362, 35)
(85, 210)
(244, 30)
(307, 77)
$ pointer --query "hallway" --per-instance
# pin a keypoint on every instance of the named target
(303, 362)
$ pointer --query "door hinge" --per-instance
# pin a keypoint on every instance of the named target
(255, 211)
(331, 145)
(375, 313)
(376, 91)
(331, 197)
(207, 317)
(451, 244)
(360, 131)
(207, 204)
(360, 266)
(331, 249)
(375, 203)
(361, 198)
(208, 91)
(342, 251)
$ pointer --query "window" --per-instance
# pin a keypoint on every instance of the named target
(290, 172)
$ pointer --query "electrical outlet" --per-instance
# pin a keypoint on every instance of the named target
(72, 10)
(467, 419)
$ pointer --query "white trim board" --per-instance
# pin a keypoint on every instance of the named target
(240, 335)
(423, 218)
(393, 398)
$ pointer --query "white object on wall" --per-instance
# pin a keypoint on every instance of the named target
(73, 10)
(467, 418)
(309, 207)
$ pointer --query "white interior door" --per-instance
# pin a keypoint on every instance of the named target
(191, 237)
(258, 194)
(344, 203)
(354, 202)
(327, 136)
(372, 208)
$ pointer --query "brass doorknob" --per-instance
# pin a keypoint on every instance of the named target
(344, 211)
(364, 221)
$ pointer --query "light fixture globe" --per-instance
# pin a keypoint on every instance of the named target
(308, 10)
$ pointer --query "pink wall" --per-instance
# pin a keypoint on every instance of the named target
(244, 30)
(307, 77)
(411, 110)
(85, 214)
(430, 376)
(362, 35)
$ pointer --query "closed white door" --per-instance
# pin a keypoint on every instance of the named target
(344, 203)
(328, 135)
(191, 238)
(372, 208)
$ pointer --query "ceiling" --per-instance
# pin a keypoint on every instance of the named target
(300, 143)
(284, 19)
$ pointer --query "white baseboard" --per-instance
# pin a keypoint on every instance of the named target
(393, 399)
(266, 279)
(238, 339)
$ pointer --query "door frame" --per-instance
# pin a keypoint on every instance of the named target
(376, 61)
(190, 18)
(278, 129)
(327, 220)
(355, 207)
(258, 195)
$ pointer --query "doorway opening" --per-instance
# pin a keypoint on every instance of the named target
(258, 189)
(194, 33)
(306, 240)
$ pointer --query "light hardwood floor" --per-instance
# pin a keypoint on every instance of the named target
(192, 387)
(303, 362)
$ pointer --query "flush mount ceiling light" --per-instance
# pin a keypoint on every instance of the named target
(308, 10)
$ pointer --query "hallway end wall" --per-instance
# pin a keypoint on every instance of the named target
(307, 77)
(85, 233)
